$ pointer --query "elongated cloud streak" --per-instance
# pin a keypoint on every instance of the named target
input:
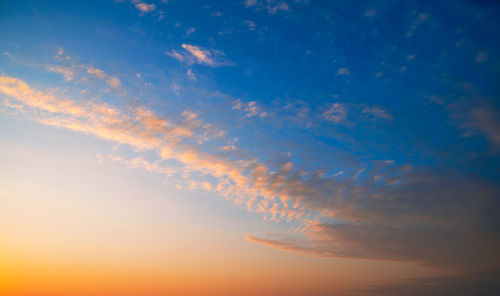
(351, 217)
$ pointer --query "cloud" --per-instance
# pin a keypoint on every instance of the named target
(140, 162)
(66, 72)
(487, 120)
(190, 74)
(143, 7)
(411, 215)
(249, 3)
(426, 219)
(192, 54)
(111, 81)
(202, 56)
(174, 54)
(343, 72)
(278, 244)
(271, 6)
(474, 116)
(250, 24)
(272, 9)
(478, 283)
(336, 113)
(376, 112)
(421, 18)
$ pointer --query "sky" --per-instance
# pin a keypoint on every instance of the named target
(258, 147)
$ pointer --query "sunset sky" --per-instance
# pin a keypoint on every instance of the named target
(258, 147)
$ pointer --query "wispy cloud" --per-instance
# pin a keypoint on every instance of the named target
(487, 120)
(192, 54)
(419, 19)
(271, 6)
(474, 283)
(110, 80)
(174, 54)
(376, 112)
(343, 72)
(336, 113)
(190, 74)
(202, 56)
(341, 217)
(67, 73)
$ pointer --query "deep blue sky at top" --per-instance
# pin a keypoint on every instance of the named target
(426, 63)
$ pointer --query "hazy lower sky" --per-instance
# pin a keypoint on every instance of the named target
(258, 147)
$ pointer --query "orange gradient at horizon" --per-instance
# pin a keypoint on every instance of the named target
(95, 236)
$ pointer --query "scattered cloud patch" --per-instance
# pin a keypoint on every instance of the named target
(111, 81)
(190, 74)
(250, 3)
(421, 18)
(193, 54)
(143, 7)
(390, 220)
(65, 72)
(376, 113)
(271, 6)
(336, 113)
(343, 72)
(251, 25)
(174, 54)
(203, 56)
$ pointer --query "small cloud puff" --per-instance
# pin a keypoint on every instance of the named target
(143, 7)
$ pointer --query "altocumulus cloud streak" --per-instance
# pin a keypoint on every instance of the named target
(398, 213)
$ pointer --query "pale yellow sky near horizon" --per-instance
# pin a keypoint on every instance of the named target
(72, 222)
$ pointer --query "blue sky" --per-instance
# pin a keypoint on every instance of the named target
(367, 130)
